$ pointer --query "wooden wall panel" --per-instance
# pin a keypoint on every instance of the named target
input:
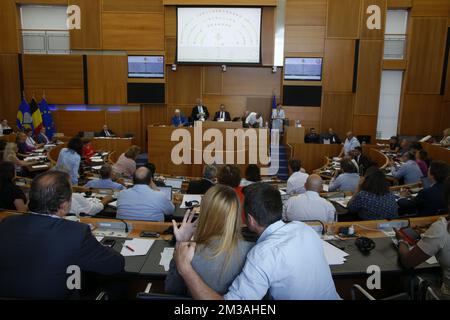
(184, 85)
(431, 8)
(426, 55)
(221, 2)
(399, 4)
(268, 36)
(337, 112)
(9, 39)
(170, 21)
(57, 95)
(125, 121)
(133, 5)
(72, 122)
(235, 105)
(447, 83)
(366, 33)
(53, 71)
(338, 65)
(127, 31)
(89, 36)
(365, 125)
(421, 115)
(445, 119)
(343, 19)
(251, 81)
(9, 87)
(369, 77)
(107, 79)
(306, 12)
(308, 116)
(304, 39)
(212, 80)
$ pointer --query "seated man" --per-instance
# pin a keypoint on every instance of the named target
(347, 180)
(310, 206)
(287, 262)
(141, 202)
(362, 161)
(46, 245)
(222, 114)
(331, 137)
(254, 120)
(4, 126)
(105, 132)
(23, 147)
(394, 145)
(105, 181)
(297, 180)
(42, 137)
(178, 120)
(199, 112)
(88, 206)
(409, 172)
(312, 137)
(445, 142)
(203, 185)
(429, 201)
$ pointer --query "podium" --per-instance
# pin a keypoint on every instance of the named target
(219, 124)
(294, 135)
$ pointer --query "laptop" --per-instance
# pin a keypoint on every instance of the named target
(174, 183)
(7, 131)
(167, 192)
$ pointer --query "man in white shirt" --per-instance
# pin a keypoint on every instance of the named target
(297, 180)
(88, 206)
(254, 120)
(310, 206)
(30, 141)
(287, 262)
(4, 126)
(349, 145)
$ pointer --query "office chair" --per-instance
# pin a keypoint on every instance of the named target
(147, 295)
(421, 289)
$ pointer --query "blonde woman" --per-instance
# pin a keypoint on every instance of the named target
(126, 164)
(221, 251)
(10, 155)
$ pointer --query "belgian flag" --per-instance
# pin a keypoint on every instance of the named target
(36, 116)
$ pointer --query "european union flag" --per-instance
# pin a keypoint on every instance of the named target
(24, 119)
(274, 102)
(47, 118)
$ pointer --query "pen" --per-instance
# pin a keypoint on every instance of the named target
(129, 248)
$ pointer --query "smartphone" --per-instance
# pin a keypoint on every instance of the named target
(149, 234)
(109, 243)
(410, 235)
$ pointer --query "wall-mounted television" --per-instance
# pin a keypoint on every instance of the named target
(219, 35)
(145, 66)
(304, 69)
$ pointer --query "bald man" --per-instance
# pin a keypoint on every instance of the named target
(349, 145)
(143, 201)
(310, 206)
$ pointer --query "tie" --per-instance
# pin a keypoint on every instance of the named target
(221, 115)
(107, 133)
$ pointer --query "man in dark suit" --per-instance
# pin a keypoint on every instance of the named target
(106, 132)
(202, 186)
(362, 160)
(431, 200)
(39, 251)
(312, 137)
(199, 112)
(331, 137)
(222, 114)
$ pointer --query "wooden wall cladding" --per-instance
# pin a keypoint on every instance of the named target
(133, 5)
(399, 4)
(308, 116)
(369, 77)
(130, 31)
(338, 66)
(184, 85)
(251, 82)
(365, 125)
(421, 115)
(306, 12)
(447, 83)
(90, 34)
(426, 55)
(72, 122)
(267, 36)
(60, 77)
(9, 86)
(107, 79)
(304, 39)
(9, 42)
(367, 33)
(343, 19)
(431, 8)
(337, 112)
(221, 2)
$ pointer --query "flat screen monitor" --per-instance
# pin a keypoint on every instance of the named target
(305, 69)
(219, 35)
(174, 183)
(146, 67)
(167, 191)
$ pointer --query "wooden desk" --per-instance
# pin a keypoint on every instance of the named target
(313, 155)
(380, 158)
(293, 135)
(220, 125)
(436, 152)
(9, 138)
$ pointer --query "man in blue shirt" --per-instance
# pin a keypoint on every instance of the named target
(409, 171)
(287, 262)
(143, 202)
(349, 145)
(178, 119)
(105, 181)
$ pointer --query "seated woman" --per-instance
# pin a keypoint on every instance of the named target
(221, 252)
(88, 149)
(10, 154)
(69, 159)
(11, 196)
(126, 164)
(252, 175)
(21, 141)
(422, 161)
(435, 242)
(347, 180)
(374, 200)
(30, 140)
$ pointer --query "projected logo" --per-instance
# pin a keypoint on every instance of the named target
(73, 21)
(251, 147)
(219, 34)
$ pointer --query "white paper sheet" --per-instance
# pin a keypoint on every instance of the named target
(432, 260)
(140, 247)
(166, 257)
(334, 255)
(40, 166)
(99, 239)
(113, 204)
